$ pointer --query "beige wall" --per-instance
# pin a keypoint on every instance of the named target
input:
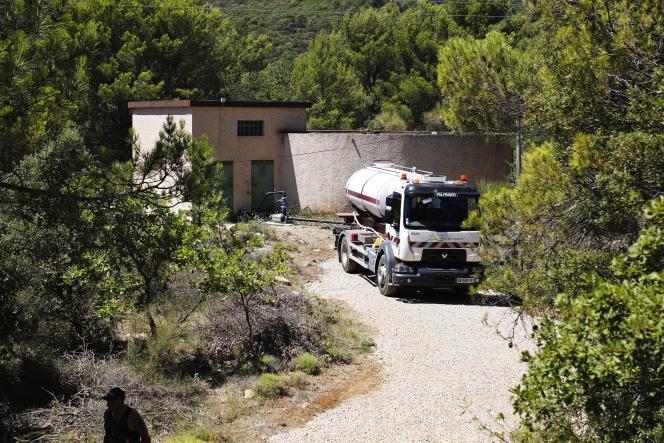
(219, 124)
(316, 165)
(148, 122)
(313, 167)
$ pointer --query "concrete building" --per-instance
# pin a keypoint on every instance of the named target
(265, 146)
(246, 138)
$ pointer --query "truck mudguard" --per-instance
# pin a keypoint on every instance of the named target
(386, 249)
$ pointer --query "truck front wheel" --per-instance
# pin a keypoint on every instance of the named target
(347, 263)
(383, 279)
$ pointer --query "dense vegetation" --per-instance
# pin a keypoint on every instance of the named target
(291, 24)
(91, 248)
(103, 281)
(379, 69)
(582, 82)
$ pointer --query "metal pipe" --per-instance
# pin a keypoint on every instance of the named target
(316, 220)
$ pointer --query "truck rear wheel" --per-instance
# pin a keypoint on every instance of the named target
(383, 278)
(347, 263)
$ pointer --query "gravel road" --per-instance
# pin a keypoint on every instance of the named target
(445, 370)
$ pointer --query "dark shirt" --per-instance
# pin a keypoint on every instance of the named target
(117, 431)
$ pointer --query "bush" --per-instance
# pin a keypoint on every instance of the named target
(173, 350)
(287, 325)
(297, 379)
(271, 385)
(269, 363)
(598, 375)
(79, 414)
(306, 363)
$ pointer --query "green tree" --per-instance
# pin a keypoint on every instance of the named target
(270, 84)
(323, 75)
(483, 84)
(42, 77)
(601, 180)
(244, 280)
(477, 17)
(600, 67)
(155, 50)
(598, 374)
(389, 59)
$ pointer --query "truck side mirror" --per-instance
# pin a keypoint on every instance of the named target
(389, 214)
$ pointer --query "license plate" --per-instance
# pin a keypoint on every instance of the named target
(467, 280)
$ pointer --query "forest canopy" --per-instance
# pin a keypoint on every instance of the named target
(88, 235)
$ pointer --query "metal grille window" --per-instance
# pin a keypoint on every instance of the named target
(249, 127)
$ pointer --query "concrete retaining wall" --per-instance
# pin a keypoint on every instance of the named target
(316, 165)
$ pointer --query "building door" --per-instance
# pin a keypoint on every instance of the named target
(225, 184)
(262, 181)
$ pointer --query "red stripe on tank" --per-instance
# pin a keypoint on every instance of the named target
(362, 196)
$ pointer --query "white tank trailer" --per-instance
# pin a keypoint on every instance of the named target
(409, 229)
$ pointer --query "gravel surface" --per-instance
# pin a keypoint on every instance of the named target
(445, 369)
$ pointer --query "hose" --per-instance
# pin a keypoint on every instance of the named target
(366, 227)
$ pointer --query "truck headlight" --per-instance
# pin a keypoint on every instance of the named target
(403, 269)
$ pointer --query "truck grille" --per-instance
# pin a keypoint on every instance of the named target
(443, 256)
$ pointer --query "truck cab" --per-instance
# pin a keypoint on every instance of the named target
(429, 246)
(419, 240)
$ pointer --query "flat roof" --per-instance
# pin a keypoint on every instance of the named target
(222, 103)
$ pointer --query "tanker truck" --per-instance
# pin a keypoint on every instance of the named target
(407, 229)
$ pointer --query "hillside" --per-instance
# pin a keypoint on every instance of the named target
(291, 24)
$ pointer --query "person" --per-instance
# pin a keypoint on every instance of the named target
(122, 424)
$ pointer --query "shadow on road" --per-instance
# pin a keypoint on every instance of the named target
(445, 297)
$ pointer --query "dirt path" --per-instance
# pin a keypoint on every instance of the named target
(445, 369)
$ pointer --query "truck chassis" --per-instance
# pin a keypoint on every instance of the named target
(366, 249)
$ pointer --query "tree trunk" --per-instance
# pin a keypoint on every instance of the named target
(247, 317)
(153, 325)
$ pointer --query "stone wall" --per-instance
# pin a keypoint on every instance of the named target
(316, 165)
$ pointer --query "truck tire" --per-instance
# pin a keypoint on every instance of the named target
(348, 264)
(462, 293)
(382, 279)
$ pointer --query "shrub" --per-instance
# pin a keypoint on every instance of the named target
(281, 328)
(306, 363)
(79, 414)
(199, 435)
(271, 385)
(297, 379)
(598, 375)
(173, 350)
(268, 363)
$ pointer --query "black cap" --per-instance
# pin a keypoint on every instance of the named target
(114, 394)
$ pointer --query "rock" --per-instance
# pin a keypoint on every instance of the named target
(316, 250)
(282, 280)
(259, 253)
(249, 393)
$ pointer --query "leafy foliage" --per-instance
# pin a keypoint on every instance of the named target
(291, 24)
(87, 59)
(380, 63)
(598, 374)
(553, 236)
(483, 83)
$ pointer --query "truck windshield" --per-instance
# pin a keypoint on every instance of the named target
(436, 213)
